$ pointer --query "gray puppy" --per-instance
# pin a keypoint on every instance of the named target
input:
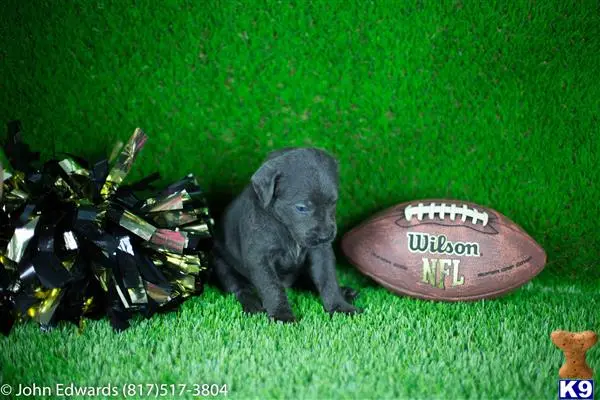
(279, 231)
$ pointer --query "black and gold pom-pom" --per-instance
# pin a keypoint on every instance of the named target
(76, 243)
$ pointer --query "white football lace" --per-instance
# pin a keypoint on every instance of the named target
(441, 210)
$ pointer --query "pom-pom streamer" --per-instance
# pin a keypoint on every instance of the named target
(76, 243)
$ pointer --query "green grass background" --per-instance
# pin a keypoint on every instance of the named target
(492, 102)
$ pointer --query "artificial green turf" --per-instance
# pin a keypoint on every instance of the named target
(496, 103)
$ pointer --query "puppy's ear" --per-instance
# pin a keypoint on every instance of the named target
(336, 164)
(263, 182)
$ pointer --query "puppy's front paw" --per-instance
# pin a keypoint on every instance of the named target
(251, 304)
(285, 316)
(344, 308)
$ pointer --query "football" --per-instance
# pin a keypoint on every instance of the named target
(444, 250)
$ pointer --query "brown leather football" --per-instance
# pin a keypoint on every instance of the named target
(444, 250)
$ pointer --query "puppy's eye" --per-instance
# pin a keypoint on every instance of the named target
(301, 208)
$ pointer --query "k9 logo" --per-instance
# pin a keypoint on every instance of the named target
(575, 389)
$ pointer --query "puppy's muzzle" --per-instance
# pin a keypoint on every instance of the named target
(323, 238)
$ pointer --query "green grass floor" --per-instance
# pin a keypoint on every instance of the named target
(495, 103)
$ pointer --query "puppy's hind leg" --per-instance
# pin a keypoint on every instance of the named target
(304, 282)
(233, 282)
(349, 293)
